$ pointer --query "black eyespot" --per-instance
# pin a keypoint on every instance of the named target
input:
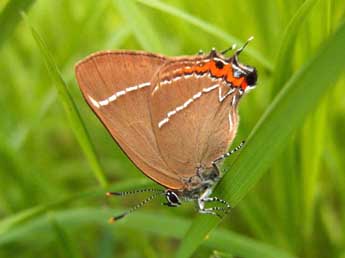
(251, 78)
(219, 64)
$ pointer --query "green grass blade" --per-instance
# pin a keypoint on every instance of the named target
(105, 244)
(254, 211)
(70, 107)
(10, 17)
(283, 71)
(283, 65)
(314, 135)
(9, 223)
(140, 25)
(299, 97)
(213, 30)
(147, 222)
(27, 216)
(67, 247)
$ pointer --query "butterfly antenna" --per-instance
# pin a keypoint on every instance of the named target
(134, 192)
(139, 205)
(244, 46)
(229, 153)
(228, 49)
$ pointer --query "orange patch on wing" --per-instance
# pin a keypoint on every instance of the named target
(215, 71)
(203, 68)
(237, 82)
(225, 72)
(187, 70)
(244, 85)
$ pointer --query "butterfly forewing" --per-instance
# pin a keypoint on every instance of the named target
(192, 125)
(116, 85)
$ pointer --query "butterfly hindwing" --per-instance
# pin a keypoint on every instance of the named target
(192, 117)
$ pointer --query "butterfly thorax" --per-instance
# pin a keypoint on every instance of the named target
(198, 188)
(195, 186)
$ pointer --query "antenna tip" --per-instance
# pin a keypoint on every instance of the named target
(116, 218)
(112, 193)
(111, 220)
(251, 38)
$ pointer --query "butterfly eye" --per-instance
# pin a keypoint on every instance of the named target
(172, 198)
(251, 78)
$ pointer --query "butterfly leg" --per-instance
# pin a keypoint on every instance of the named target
(226, 208)
(214, 210)
(211, 211)
(224, 156)
(216, 199)
(205, 198)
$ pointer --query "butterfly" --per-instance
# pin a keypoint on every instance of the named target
(174, 117)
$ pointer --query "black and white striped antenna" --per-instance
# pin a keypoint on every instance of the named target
(157, 192)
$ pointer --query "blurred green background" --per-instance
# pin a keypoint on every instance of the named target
(52, 186)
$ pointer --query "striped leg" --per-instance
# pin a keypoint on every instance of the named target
(216, 199)
(213, 211)
(228, 154)
(224, 209)
(210, 211)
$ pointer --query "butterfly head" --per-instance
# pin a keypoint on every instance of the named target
(172, 198)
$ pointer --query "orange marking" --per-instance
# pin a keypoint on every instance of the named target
(230, 78)
(225, 72)
(201, 69)
(219, 72)
(187, 70)
(216, 72)
(238, 81)
(244, 85)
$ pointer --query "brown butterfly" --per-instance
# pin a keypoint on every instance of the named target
(174, 117)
